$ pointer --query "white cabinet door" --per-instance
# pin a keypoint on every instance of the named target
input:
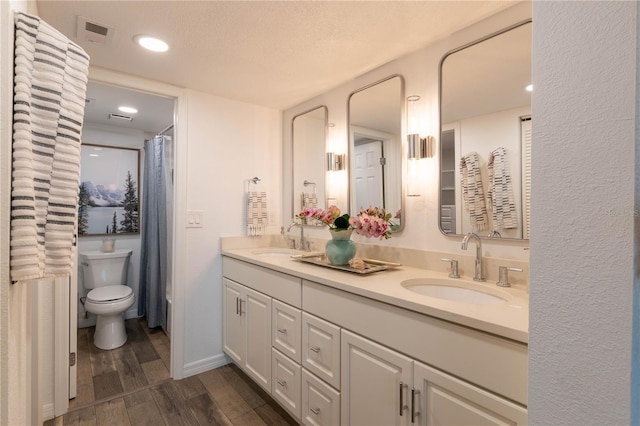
(320, 402)
(287, 329)
(256, 310)
(441, 399)
(233, 323)
(286, 383)
(376, 383)
(321, 349)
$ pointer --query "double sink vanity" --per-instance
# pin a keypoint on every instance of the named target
(402, 346)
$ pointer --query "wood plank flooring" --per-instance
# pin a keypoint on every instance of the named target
(130, 385)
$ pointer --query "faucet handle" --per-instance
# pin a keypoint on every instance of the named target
(503, 275)
(454, 267)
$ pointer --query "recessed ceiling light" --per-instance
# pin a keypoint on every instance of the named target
(529, 88)
(127, 109)
(151, 43)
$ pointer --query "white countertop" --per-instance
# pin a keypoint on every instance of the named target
(509, 319)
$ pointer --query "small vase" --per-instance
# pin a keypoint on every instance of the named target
(340, 249)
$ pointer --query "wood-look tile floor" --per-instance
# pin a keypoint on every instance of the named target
(130, 385)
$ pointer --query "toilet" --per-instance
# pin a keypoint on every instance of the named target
(105, 275)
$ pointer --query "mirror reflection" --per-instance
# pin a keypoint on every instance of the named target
(375, 135)
(309, 137)
(485, 139)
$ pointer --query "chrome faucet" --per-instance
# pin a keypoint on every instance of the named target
(478, 276)
(304, 244)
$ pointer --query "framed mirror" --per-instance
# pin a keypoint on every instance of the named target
(375, 148)
(485, 143)
(309, 145)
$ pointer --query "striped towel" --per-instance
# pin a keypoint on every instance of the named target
(50, 83)
(501, 201)
(309, 200)
(472, 191)
(257, 215)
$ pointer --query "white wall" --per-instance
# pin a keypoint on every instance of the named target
(420, 71)
(228, 143)
(582, 266)
(127, 138)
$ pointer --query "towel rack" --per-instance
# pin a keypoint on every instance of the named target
(308, 183)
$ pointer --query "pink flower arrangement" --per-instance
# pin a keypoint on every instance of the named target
(371, 223)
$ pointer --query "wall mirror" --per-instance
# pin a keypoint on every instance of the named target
(309, 140)
(375, 148)
(485, 144)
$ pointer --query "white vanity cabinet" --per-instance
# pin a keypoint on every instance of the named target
(331, 357)
(247, 330)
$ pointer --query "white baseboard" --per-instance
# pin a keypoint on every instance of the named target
(48, 412)
(206, 364)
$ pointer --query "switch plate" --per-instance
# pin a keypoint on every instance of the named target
(195, 218)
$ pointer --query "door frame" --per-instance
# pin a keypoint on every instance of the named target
(64, 305)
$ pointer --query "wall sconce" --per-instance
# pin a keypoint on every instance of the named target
(336, 162)
(417, 147)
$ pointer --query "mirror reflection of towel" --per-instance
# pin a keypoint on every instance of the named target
(257, 214)
(501, 201)
(472, 191)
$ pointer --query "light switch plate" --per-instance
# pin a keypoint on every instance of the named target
(195, 218)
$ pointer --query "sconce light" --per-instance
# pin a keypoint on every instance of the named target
(336, 162)
(417, 147)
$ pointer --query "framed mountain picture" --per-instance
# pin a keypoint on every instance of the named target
(109, 191)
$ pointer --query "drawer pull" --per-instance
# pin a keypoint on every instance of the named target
(282, 330)
(315, 411)
(414, 413)
(314, 349)
(282, 383)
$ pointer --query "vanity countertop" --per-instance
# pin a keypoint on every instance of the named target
(509, 319)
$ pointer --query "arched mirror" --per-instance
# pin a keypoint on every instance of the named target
(309, 140)
(485, 144)
(375, 148)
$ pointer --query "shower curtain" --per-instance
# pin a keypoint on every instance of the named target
(154, 234)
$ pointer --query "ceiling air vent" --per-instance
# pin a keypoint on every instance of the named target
(120, 117)
(94, 32)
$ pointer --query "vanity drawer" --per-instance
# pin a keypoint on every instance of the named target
(286, 335)
(320, 402)
(321, 348)
(272, 283)
(285, 386)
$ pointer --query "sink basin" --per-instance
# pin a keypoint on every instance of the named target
(455, 291)
(275, 252)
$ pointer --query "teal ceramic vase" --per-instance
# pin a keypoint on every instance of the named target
(340, 249)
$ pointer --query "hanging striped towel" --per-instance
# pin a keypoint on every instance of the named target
(501, 201)
(309, 200)
(49, 98)
(257, 214)
(473, 192)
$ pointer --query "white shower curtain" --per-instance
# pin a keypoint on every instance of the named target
(156, 196)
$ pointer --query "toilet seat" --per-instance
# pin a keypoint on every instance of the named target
(109, 294)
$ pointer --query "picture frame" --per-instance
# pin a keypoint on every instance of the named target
(109, 201)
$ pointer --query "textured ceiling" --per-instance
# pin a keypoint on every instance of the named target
(270, 53)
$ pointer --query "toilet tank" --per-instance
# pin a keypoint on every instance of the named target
(102, 269)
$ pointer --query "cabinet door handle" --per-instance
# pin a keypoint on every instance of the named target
(314, 349)
(414, 413)
(237, 306)
(401, 398)
(282, 383)
(315, 411)
(282, 330)
(241, 311)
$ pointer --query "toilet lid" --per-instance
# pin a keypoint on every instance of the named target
(109, 293)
